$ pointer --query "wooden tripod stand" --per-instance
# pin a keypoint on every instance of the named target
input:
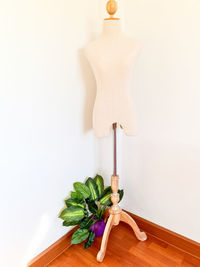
(115, 213)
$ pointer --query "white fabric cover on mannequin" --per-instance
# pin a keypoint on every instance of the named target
(112, 56)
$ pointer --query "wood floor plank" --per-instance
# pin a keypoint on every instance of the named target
(124, 250)
(168, 252)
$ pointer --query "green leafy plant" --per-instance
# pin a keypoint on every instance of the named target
(85, 207)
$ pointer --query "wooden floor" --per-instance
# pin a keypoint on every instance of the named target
(125, 250)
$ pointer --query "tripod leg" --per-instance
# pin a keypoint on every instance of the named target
(104, 242)
(127, 219)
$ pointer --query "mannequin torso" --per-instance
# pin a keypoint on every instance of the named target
(112, 56)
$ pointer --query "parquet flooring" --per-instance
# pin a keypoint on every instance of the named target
(124, 250)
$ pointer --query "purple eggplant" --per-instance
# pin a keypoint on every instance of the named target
(98, 227)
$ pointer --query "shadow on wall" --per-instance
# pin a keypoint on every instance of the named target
(90, 90)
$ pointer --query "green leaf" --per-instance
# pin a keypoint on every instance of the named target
(79, 236)
(106, 200)
(102, 212)
(82, 189)
(86, 223)
(100, 184)
(76, 195)
(72, 214)
(65, 223)
(121, 194)
(86, 212)
(92, 207)
(107, 190)
(75, 202)
(93, 188)
(90, 240)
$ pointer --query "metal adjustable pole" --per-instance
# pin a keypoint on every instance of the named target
(115, 148)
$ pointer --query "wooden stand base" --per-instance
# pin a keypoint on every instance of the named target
(115, 216)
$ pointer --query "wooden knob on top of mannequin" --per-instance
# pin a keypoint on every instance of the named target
(111, 8)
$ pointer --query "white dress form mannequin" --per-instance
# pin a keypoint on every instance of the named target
(112, 56)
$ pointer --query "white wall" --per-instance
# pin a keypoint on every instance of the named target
(46, 99)
(47, 94)
(160, 168)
